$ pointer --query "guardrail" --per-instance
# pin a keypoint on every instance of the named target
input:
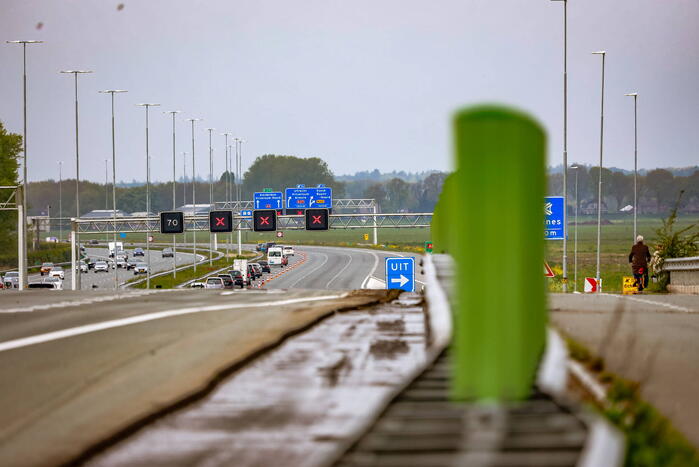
(684, 274)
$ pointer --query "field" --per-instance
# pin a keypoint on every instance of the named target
(617, 239)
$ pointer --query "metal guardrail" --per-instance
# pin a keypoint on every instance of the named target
(201, 223)
(682, 264)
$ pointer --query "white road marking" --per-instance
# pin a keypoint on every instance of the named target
(652, 302)
(85, 301)
(76, 331)
(341, 271)
(310, 272)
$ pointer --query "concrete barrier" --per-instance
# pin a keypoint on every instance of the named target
(684, 274)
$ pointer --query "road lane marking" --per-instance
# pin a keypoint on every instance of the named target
(341, 271)
(88, 328)
(652, 302)
(85, 301)
(311, 271)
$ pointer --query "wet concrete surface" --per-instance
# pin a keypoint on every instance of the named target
(301, 404)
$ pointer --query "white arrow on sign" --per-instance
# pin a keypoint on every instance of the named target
(402, 280)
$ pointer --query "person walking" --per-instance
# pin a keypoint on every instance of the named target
(639, 257)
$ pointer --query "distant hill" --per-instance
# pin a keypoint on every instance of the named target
(676, 171)
(376, 176)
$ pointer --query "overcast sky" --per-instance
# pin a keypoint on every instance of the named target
(363, 84)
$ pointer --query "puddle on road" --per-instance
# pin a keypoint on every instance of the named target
(296, 405)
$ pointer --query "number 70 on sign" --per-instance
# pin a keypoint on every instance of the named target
(171, 222)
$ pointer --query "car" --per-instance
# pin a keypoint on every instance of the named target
(264, 265)
(168, 253)
(274, 256)
(228, 281)
(257, 268)
(57, 271)
(90, 263)
(83, 267)
(252, 274)
(131, 264)
(11, 280)
(139, 252)
(101, 266)
(45, 268)
(140, 268)
(54, 282)
(123, 254)
(238, 277)
(121, 262)
(214, 283)
(285, 260)
(197, 285)
(288, 250)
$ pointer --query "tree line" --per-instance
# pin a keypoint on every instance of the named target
(658, 190)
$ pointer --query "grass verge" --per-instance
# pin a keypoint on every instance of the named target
(651, 439)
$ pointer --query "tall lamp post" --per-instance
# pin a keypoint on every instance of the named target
(60, 201)
(599, 188)
(22, 221)
(147, 106)
(565, 138)
(76, 274)
(239, 179)
(635, 161)
(226, 184)
(194, 193)
(211, 192)
(111, 92)
(173, 113)
(575, 247)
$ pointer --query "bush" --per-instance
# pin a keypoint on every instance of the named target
(47, 252)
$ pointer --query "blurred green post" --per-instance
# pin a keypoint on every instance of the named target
(493, 224)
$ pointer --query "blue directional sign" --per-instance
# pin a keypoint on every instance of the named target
(400, 274)
(555, 222)
(247, 213)
(305, 198)
(268, 200)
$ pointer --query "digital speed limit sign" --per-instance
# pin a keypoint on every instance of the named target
(171, 222)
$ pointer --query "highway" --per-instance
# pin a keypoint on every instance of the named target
(106, 280)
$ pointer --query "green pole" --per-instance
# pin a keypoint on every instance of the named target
(495, 220)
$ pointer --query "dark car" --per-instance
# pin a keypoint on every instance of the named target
(228, 281)
(139, 252)
(238, 277)
(167, 253)
(264, 265)
(258, 269)
(252, 274)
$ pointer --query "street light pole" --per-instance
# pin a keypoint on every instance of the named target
(76, 274)
(174, 194)
(599, 188)
(112, 92)
(194, 193)
(565, 140)
(22, 230)
(147, 106)
(635, 161)
(211, 193)
(60, 201)
(225, 184)
(575, 248)
(239, 188)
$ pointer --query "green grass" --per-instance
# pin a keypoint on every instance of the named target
(651, 440)
(617, 239)
(166, 281)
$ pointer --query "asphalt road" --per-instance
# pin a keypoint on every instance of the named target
(106, 280)
(78, 366)
(652, 339)
(334, 268)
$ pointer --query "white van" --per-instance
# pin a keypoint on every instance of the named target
(288, 250)
(274, 256)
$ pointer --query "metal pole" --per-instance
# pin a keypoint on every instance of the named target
(73, 262)
(148, 231)
(22, 227)
(194, 194)
(211, 194)
(565, 144)
(60, 201)
(106, 185)
(21, 240)
(599, 189)
(635, 165)
(376, 230)
(240, 190)
(116, 276)
(230, 193)
(174, 193)
(184, 189)
(575, 248)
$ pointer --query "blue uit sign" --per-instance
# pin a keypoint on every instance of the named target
(246, 213)
(555, 218)
(300, 198)
(268, 200)
(400, 274)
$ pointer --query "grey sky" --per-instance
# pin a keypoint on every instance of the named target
(363, 84)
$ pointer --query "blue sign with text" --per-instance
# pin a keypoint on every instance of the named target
(555, 221)
(400, 274)
(246, 213)
(304, 198)
(268, 200)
